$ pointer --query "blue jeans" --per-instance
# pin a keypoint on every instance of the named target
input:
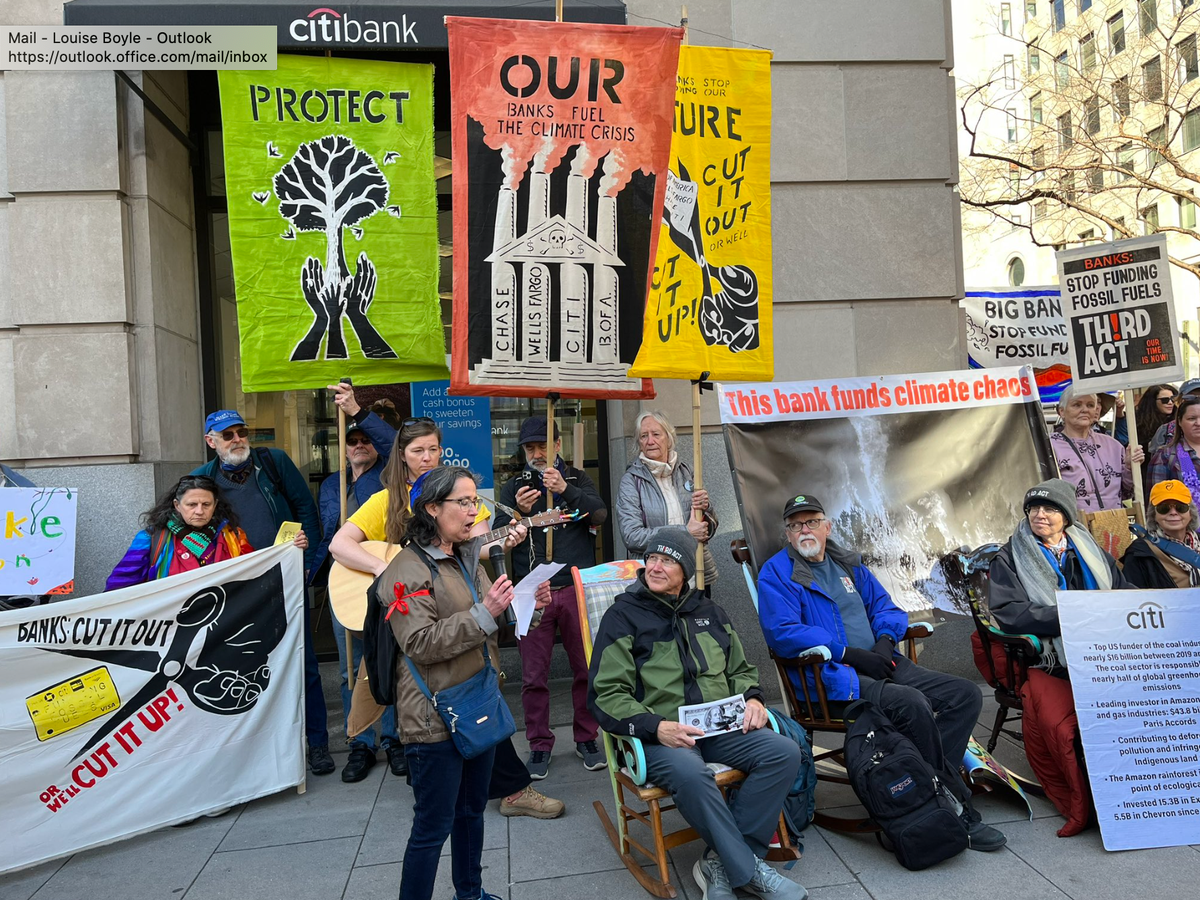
(449, 796)
(387, 724)
(314, 695)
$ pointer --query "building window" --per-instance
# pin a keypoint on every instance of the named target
(1087, 235)
(1118, 229)
(1030, 10)
(1010, 72)
(1006, 19)
(1060, 14)
(1125, 161)
(1016, 220)
(1010, 116)
(1181, 5)
(1065, 139)
(1188, 67)
(1066, 186)
(1062, 71)
(1156, 138)
(1149, 217)
(1187, 213)
(1036, 161)
(1116, 33)
(1033, 62)
(1121, 99)
(1191, 130)
(1095, 179)
(1035, 108)
(1087, 53)
(1091, 115)
(1016, 272)
(1147, 16)
(1085, 5)
(1152, 85)
(1039, 210)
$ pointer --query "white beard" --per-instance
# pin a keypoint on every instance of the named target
(235, 457)
(809, 549)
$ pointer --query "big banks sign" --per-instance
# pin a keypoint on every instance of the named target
(325, 26)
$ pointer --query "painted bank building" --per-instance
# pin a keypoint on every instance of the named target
(118, 313)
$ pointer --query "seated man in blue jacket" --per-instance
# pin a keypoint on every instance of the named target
(813, 593)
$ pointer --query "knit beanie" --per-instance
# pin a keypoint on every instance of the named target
(675, 543)
(1054, 492)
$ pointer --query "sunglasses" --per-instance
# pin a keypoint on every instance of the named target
(422, 419)
(358, 442)
(1166, 400)
(230, 433)
(1170, 506)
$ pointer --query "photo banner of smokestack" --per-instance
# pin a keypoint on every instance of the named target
(333, 222)
(709, 307)
(561, 147)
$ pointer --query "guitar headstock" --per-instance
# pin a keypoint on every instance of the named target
(552, 517)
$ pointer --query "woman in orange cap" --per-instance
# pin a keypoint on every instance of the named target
(1166, 553)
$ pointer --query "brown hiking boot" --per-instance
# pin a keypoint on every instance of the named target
(532, 803)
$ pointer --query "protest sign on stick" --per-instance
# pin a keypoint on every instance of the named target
(1134, 660)
(130, 710)
(1019, 326)
(37, 545)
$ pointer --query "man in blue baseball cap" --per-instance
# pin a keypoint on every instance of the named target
(265, 489)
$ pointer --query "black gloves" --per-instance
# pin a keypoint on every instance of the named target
(885, 647)
(869, 663)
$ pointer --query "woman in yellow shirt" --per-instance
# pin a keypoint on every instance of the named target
(385, 517)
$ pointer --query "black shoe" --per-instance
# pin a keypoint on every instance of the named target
(362, 758)
(395, 757)
(319, 760)
(981, 837)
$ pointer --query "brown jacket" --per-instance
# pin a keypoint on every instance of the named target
(442, 633)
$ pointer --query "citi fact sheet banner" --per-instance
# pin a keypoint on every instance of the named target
(709, 307)
(561, 143)
(908, 467)
(124, 712)
(333, 222)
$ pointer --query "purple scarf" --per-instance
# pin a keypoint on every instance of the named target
(1187, 469)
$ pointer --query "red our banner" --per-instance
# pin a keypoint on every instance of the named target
(561, 144)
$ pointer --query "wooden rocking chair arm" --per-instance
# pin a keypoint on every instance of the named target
(632, 754)
(813, 656)
(918, 630)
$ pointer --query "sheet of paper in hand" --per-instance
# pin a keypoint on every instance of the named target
(717, 717)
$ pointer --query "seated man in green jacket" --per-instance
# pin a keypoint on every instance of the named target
(663, 645)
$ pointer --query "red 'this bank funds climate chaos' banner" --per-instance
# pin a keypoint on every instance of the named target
(561, 146)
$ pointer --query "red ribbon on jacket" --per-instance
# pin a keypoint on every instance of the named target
(401, 593)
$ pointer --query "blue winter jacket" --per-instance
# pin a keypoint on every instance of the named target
(797, 615)
(382, 436)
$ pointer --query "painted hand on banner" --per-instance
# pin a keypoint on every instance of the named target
(329, 185)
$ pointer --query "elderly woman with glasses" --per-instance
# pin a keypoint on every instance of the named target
(657, 490)
(190, 526)
(447, 631)
(1168, 554)
(1097, 467)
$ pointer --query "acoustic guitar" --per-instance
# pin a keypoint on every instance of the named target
(348, 587)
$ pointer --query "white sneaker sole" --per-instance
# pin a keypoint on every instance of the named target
(535, 776)
(701, 881)
(595, 767)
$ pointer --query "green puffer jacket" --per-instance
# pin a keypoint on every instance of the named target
(654, 653)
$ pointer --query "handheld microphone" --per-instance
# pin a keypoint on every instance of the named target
(496, 555)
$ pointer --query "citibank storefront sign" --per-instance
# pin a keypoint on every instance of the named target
(325, 26)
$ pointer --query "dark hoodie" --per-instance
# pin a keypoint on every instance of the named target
(654, 653)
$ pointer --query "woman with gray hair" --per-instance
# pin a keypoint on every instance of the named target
(1165, 553)
(1098, 468)
(657, 490)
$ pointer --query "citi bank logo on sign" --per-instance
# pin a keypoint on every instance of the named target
(1148, 615)
(328, 26)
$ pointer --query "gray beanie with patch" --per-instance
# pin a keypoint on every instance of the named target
(677, 543)
(1054, 492)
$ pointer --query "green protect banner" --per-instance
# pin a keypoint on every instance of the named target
(333, 222)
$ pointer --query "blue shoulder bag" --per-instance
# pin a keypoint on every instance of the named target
(474, 711)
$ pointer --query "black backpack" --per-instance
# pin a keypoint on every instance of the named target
(900, 790)
(380, 651)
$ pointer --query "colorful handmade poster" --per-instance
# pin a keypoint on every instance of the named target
(561, 141)
(709, 306)
(37, 546)
(333, 222)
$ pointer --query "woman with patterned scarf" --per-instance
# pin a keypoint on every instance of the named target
(191, 526)
(1167, 553)
(1177, 460)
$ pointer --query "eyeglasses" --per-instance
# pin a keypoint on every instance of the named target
(810, 524)
(1170, 506)
(230, 433)
(408, 422)
(1038, 508)
(464, 503)
(1167, 400)
(358, 442)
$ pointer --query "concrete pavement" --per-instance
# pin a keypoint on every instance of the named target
(345, 842)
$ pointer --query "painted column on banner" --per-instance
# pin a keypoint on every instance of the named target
(466, 424)
(1134, 660)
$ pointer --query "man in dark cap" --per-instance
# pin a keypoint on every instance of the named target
(574, 545)
(648, 660)
(815, 592)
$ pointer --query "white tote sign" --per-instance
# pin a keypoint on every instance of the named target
(124, 712)
(37, 540)
(1134, 659)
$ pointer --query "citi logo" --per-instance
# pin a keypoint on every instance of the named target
(328, 26)
(1148, 615)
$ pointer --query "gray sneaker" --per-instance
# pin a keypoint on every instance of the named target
(768, 884)
(538, 764)
(710, 876)
(592, 755)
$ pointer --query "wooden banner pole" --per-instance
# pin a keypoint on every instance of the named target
(550, 460)
(1131, 421)
(557, 18)
(342, 521)
(697, 477)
